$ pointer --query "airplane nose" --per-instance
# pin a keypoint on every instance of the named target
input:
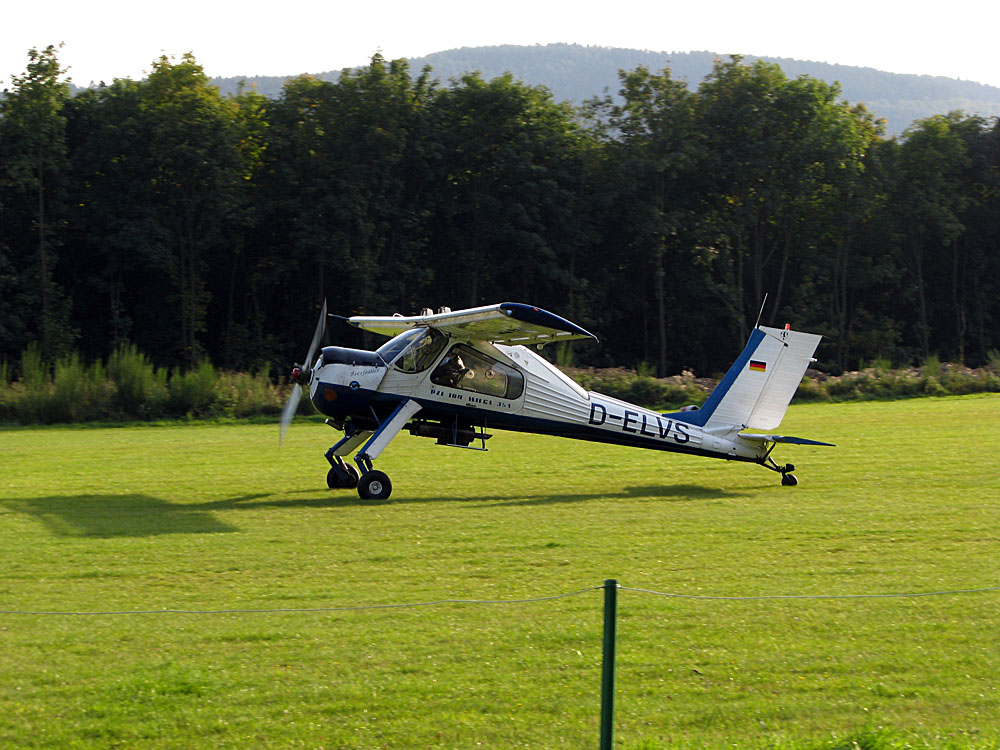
(301, 374)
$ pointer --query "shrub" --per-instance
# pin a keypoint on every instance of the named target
(31, 403)
(931, 366)
(193, 393)
(131, 387)
(811, 389)
(663, 393)
(993, 361)
(242, 395)
(140, 387)
(72, 396)
(34, 372)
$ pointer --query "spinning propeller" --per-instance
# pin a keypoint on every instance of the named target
(302, 375)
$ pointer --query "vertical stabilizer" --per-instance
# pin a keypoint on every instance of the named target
(758, 387)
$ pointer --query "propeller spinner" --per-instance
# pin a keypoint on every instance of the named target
(302, 375)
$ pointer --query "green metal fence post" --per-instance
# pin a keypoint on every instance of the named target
(608, 669)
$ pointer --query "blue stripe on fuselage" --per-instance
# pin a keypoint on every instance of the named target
(384, 403)
(700, 416)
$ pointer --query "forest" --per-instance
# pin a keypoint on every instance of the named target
(162, 215)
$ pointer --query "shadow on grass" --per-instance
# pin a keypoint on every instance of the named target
(348, 498)
(117, 515)
(142, 515)
(671, 493)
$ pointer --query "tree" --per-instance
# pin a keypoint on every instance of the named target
(777, 147)
(930, 203)
(33, 160)
(118, 263)
(510, 189)
(974, 259)
(654, 152)
(344, 188)
(982, 237)
(198, 172)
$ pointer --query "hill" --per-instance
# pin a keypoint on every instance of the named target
(576, 72)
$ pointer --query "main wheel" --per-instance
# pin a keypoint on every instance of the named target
(789, 480)
(374, 486)
(353, 476)
(335, 481)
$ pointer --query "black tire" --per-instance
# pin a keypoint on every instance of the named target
(374, 486)
(789, 480)
(336, 481)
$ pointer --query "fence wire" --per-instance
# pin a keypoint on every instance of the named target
(764, 597)
(279, 610)
(490, 602)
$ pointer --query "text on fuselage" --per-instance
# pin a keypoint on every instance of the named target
(641, 424)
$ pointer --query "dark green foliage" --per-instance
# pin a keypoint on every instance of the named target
(638, 388)
(130, 387)
(193, 392)
(161, 217)
(140, 386)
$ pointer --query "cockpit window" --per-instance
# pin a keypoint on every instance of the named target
(414, 350)
(470, 370)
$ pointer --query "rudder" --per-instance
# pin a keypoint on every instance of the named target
(757, 389)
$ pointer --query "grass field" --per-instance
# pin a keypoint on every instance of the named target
(215, 517)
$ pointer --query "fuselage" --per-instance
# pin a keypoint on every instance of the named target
(474, 384)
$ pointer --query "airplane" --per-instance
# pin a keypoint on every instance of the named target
(452, 375)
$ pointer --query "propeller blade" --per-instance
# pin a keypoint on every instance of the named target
(291, 406)
(317, 336)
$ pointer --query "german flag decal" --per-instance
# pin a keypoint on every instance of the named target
(757, 366)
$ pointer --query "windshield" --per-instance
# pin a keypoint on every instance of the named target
(414, 350)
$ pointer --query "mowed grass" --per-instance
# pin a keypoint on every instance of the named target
(215, 517)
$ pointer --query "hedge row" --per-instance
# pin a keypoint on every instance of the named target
(129, 387)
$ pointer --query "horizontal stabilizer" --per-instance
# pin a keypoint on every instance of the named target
(782, 439)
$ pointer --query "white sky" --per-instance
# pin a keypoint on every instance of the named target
(108, 39)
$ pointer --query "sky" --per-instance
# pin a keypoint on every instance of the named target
(107, 39)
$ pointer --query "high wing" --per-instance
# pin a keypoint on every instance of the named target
(504, 323)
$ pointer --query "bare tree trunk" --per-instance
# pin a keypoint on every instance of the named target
(661, 311)
(43, 261)
(918, 260)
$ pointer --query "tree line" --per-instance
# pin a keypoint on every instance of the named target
(163, 215)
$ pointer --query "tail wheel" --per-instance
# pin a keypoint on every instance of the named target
(374, 485)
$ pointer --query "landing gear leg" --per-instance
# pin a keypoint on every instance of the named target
(375, 485)
(342, 475)
(787, 478)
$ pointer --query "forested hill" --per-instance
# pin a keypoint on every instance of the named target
(575, 72)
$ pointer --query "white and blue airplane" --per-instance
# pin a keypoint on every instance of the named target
(453, 375)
